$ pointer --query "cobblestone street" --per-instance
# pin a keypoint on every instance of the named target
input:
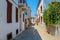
(29, 34)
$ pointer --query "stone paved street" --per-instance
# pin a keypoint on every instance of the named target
(29, 34)
(43, 33)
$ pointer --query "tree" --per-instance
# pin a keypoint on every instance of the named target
(52, 14)
(52, 17)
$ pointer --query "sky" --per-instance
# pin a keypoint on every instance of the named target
(48, 1)
(33, 5)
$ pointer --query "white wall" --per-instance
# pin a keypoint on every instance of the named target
(39, 11)
(21, 23)
(5, 27)
(22, 26)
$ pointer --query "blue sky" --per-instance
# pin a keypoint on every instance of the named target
(33, 5)
(48, 1)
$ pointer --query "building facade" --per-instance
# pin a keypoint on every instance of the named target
(40, 11)
(13, 16)
(9, 24)
(24, 14)
(28, 16)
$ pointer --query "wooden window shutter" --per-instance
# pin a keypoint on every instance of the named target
(9, 12)
(41, 9)
(16, 14)
(23, 17)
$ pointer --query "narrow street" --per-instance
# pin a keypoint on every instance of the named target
(29, 19)
(29, 34)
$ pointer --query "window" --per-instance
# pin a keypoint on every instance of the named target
(16, 31)
(23, 17)
(9, 36)
(9, 12)
(26, 13)
(41, 19)
(41, 9)
(23, 1)
(16, 14)
(20, 1)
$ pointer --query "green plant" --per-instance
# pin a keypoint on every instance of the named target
(52, 14)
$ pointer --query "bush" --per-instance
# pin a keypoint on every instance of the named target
(52, 14)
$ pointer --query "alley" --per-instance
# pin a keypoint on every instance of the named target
(29, 34)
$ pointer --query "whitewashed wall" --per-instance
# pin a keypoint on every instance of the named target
(39, 10)
(22, 23)
(5, 27)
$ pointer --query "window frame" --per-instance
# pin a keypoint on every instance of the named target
(9, 12)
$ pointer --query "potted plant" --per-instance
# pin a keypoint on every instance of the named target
(52, 17)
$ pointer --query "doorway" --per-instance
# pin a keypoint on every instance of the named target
(9, 36)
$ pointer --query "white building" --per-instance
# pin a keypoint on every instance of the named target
(9, 23)
(12, 21)
(40, 11)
